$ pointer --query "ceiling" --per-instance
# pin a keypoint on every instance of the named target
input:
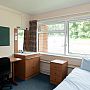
(40, 6)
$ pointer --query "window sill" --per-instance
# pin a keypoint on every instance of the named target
(68, 56)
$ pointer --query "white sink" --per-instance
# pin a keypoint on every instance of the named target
(27, 53)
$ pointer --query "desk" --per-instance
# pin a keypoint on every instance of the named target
(13, 60)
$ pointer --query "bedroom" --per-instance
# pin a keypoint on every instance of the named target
(14, 18)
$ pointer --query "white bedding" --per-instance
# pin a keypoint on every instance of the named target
(78, 79)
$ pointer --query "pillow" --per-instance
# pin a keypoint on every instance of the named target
(85, 64)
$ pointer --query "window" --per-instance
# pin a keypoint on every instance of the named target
(79, 37)
(20, 39)
(52, 38)
(69, 37)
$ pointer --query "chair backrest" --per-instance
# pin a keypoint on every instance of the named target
(4, 65)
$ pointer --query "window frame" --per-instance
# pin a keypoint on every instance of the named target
(59, 31)
(66, 43)
(70, 21)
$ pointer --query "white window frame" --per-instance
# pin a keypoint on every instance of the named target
(60, 31)
(75, 20)
(66, 32)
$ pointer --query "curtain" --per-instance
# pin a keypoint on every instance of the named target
(33, 35)
(26, 45)
(30, 37)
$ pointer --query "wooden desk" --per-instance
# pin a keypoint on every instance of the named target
(13, 60)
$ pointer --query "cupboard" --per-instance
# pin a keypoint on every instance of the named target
(58, 71)
(29, 66)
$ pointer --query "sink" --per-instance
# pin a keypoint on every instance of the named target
(27, 53)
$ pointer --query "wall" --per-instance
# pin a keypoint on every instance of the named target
(45, 62)
(12, 19)
(70, 12)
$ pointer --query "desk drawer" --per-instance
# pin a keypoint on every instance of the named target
(55, 79)
(55, 66)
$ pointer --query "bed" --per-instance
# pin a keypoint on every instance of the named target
(78, 79)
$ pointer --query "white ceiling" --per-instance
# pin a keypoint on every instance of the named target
(40, 6)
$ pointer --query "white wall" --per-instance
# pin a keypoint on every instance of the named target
(45, 62)
(12, 19)
(81, 10)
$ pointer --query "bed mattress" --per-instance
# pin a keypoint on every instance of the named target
(78, 79)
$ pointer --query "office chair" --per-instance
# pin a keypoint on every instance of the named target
(4, 73)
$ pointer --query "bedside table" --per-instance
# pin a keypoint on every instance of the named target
(58, 71)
